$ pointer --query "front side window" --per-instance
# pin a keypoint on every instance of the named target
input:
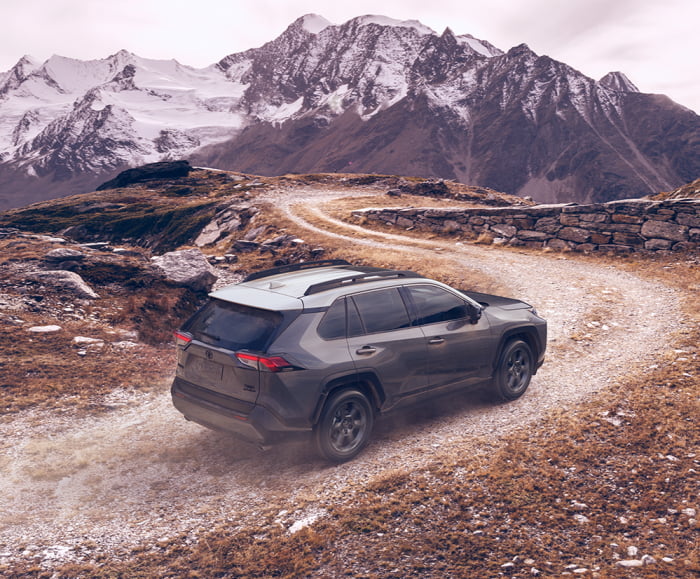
(382, 310)
(434, 304)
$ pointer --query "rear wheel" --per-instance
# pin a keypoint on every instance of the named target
(514, 371)
(345, 426)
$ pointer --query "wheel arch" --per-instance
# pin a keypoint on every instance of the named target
(366, 382)
(527, 334)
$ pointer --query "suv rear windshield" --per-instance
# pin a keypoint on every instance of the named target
(234, 326)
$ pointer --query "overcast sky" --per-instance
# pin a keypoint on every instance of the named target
(654, 42)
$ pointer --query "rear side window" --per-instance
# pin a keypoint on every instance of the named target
(382, 310)
(234, 326)
(332, 325)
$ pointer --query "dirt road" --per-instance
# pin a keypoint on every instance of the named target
(74, 486)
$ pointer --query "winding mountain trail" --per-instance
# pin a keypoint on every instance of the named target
(74, 486)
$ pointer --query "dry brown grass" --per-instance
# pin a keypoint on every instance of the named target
(134, 320)
(50, 369)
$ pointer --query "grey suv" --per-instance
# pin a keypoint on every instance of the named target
(323, 347)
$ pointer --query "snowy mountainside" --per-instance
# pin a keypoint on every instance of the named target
(367, 64)
(370, 95)
(373, 96)
(71, 116)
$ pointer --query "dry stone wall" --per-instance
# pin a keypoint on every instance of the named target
(619, 226)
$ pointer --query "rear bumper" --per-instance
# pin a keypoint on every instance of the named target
(249, 422)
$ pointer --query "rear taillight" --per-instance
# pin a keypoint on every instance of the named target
(265, 363)
(182, 338)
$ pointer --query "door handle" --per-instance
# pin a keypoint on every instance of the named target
(366, 350)
(436, 340)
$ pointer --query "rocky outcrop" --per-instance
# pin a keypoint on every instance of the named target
(228, 220)
(63, 258)
(63, 280)
(150, 172)
(187, 267)
(620, 226)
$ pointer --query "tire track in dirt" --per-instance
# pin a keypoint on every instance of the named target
(73, 486)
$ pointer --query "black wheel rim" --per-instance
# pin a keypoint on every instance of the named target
(348, 426)
(517, 371)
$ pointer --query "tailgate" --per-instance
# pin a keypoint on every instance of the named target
(218, 370)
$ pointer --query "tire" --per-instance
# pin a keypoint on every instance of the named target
(345, 426)
(514, 371)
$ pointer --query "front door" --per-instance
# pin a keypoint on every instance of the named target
(458, 348)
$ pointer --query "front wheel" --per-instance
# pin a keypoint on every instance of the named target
(514, 371)
(345, 426)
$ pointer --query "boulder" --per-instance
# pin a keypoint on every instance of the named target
(161, 170)
(188, 267)
(65, 281)
(62, 255)
(664, 230)
(44, 329)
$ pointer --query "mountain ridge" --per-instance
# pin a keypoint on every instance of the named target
(370, 95)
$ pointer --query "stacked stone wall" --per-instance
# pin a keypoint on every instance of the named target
(619, 226)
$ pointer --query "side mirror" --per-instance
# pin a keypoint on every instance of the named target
(474, 314)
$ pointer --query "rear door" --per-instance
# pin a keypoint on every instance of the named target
(382, 340)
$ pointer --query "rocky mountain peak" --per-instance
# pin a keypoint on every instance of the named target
(19, 73)
(24, 67)
(618, 81)
(386, 22)
(312, 23)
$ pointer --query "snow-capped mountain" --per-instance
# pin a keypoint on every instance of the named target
(371, 95)
(67, 119)
(143, 105)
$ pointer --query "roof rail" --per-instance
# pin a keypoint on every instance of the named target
(296, 267)
(364, 277)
